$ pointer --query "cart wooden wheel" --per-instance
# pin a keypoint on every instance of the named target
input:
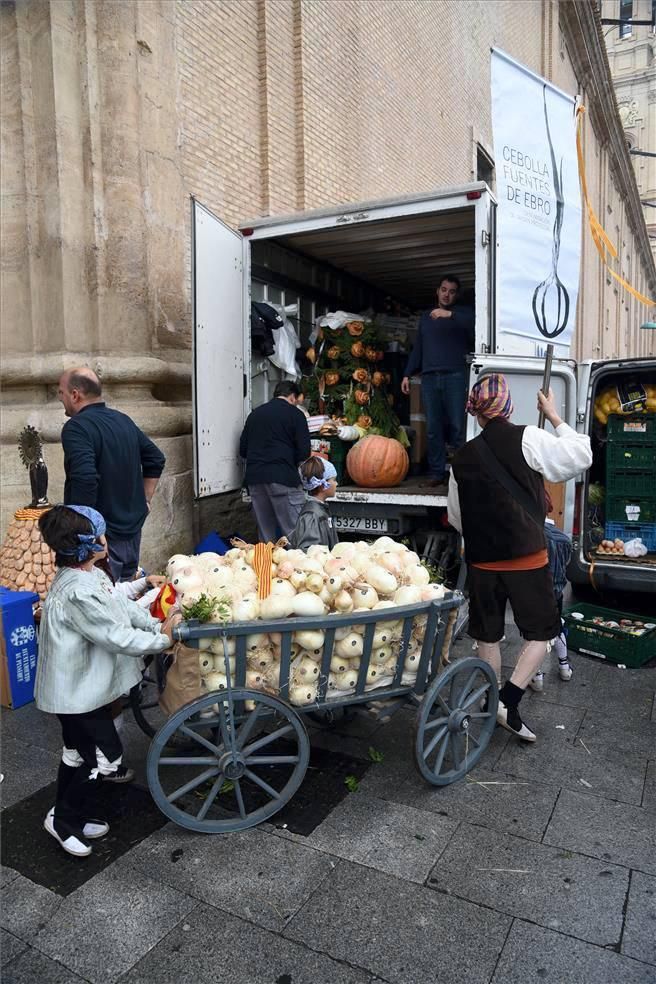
(455, 721)
(243, 767)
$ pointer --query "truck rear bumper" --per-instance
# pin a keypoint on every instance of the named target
(612, 575)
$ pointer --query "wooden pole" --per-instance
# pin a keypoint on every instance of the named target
(546, 381)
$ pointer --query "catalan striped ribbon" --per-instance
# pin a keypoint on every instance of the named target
(262, 561)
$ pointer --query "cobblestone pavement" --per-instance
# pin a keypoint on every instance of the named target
(539, 866)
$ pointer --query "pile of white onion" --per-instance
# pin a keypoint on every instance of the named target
(352, 578)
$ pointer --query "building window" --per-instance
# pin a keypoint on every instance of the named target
(626, 13)
(484, 166)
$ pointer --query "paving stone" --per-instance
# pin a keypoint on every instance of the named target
(492, 799)
(649, 793)
(554, 888)
(384, 835)
(26, 768)
(604, 829)
(398, 931)
(533, 955)
(210, 947)
(639, 939)
(576, 692)
(32, 966)
(560, 758)
(25, 907)
(252, 874)
(613, 684)
(625, 720)
(10, 947)
(31, 726)
(6, 875)
(104, 927)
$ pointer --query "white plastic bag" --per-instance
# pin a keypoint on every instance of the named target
(286, 341)
(635, 548)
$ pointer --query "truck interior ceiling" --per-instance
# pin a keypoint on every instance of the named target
(387, 266)
(601, 497)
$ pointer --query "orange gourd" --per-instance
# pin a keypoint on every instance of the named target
(377, 462)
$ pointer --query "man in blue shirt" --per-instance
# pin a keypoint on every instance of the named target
(445, 336)
(110, 465)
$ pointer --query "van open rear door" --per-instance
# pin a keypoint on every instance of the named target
(525, 375)
(218, 349)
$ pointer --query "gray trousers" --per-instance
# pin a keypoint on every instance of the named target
(277, 508)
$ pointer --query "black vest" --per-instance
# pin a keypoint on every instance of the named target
(494, 525)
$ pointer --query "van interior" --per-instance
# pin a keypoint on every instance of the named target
(610, 486)
(389, 266)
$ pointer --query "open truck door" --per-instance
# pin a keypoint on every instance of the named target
(219, 378)
(525, 376)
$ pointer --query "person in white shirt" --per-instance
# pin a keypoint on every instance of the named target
(503, 530)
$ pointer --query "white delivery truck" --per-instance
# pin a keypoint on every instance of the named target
(349, 257)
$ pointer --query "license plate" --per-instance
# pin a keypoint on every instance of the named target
(364, 523)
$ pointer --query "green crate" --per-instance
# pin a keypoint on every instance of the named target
(616, 508)
(630, 483)
(637, 428)
(617, 646)
(627, 457)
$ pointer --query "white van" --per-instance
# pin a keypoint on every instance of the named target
(350, 257)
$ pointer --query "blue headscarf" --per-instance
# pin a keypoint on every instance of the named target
(88, 544)
(309, 484)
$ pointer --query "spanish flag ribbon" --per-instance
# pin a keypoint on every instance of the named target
(599, 237)
(164, 602)
(262, 561)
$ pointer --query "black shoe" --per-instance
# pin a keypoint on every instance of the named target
(122, 774)
(440, 486)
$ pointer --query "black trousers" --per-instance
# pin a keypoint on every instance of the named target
(83, 735)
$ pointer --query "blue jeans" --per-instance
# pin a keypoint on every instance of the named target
(443, 396)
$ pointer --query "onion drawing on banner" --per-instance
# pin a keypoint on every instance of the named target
(551, 298)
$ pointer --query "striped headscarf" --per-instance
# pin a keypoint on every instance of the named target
(490, 397)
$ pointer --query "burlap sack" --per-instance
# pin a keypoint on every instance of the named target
(182, 679)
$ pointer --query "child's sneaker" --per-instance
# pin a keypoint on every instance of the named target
(537, 682)
(71, 844)
(564, 670)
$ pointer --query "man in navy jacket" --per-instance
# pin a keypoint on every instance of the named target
(110, 465)
(445, 336)
(274, 442)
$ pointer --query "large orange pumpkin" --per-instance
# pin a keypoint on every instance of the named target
(377, 462)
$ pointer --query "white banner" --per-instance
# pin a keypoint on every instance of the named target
(539, 215)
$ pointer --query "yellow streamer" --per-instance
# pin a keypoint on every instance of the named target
(599, 237)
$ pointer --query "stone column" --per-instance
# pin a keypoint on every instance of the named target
(93, 236)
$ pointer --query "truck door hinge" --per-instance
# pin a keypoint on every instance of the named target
(580, 417)
(485, 237)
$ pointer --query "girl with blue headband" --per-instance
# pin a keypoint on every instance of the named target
(315, 524)
(90, 643)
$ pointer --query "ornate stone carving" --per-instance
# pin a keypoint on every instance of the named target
(629, 113)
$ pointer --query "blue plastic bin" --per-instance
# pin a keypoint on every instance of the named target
(20, 646)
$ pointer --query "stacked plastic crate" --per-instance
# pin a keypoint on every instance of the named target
(631, 479)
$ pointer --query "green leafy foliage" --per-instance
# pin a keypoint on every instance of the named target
(436, 574)
(375, 755)
(338, 399)
(203, 609)
(351, 784)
